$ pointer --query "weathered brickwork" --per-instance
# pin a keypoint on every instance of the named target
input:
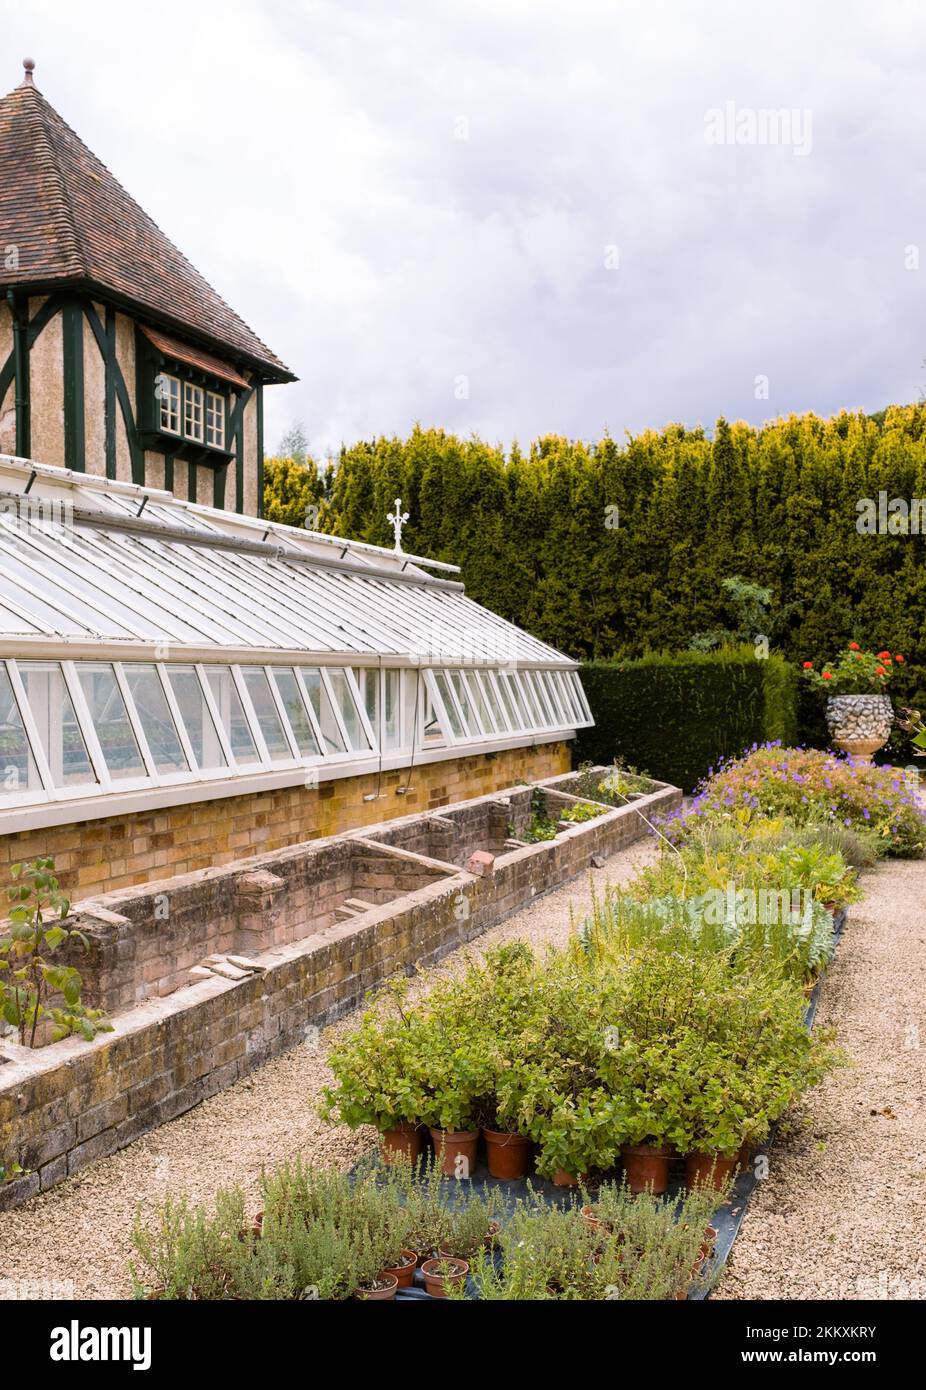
(66, 1105)
(124, 851)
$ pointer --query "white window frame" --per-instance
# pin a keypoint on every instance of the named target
(215, 405)
(161, 779)
(48, 791)
(250, 714)
(451, 738)
(160, 398)
(194, 395)
(304, 759)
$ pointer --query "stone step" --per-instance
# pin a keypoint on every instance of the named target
(358, 904)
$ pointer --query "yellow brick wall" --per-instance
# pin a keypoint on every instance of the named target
(92, 857)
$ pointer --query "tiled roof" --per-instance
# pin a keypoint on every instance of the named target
(72, 223)
(194, 357)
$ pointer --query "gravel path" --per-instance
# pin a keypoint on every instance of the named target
(843, 1211)
(75, 1240)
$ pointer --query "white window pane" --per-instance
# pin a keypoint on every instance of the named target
(494, 699)
(111, 721)
(167, 393)
(548, 680)
(432, 733)
(192, 411)
(268, 716)
(442, 681)
(215, 420)
(368, 681)
(200, 730)
(466, 707)
(529, 698)
(568, 698)
(231, 712)
(290, 693)
(546, 714)
(517, 716)
(391, 732)
(155, 718)
(324, 714)
(59, 731)
(342, 693)
(475, 683)
(18, 772)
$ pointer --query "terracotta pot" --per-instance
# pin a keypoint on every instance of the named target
(744, 1158)
(563, 1179)
(404, 1273)
(646, 1167)
(588, 1216)
(402, 1142)
(456, 1151)
(708, 1170)
(379, 1295)
(509, 1155)
(708, 1245)
(435, 1283)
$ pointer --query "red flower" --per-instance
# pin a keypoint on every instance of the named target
(880, 671)
(884, 656)
(853, 646)
(899, 658)
(808, 665)
(827, 675)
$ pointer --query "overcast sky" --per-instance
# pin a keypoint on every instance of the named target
(517, 217)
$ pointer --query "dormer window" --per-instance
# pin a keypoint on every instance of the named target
(187, 399)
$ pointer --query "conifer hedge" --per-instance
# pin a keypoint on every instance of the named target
(675, 715)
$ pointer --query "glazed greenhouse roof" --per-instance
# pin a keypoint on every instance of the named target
(159, 650)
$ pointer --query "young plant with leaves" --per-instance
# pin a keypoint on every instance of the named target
(29, 978)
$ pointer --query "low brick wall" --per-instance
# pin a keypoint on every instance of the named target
(66, 1105)
(142, 943)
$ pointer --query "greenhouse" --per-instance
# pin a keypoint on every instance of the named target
(159, 651)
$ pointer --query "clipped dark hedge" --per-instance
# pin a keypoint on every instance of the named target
(675, 715)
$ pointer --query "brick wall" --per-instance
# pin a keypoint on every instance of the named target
(64, 1106)
(124, 851)
(141, 943)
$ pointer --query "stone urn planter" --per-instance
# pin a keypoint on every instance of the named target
(860, 724)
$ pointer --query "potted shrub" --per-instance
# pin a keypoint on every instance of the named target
(378, 1082)
(859, 714)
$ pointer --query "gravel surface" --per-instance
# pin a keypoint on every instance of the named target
(75, 1240)
(843, 1211)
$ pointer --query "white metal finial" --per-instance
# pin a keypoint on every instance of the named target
(398, 520)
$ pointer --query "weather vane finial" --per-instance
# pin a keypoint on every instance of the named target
(398, 520)
(28, 70)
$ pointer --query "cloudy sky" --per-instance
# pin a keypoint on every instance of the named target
(516, 217)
